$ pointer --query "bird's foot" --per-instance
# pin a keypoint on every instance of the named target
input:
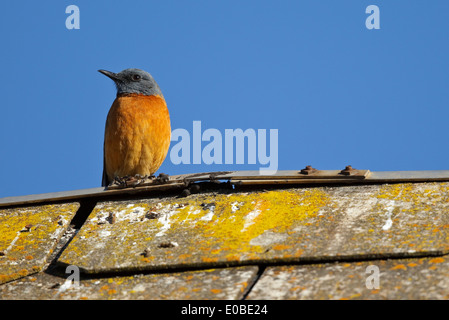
(128, 181)
(136, 180)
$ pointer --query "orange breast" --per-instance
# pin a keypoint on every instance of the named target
(137, 135)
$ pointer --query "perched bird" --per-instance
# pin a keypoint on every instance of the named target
(137, 134)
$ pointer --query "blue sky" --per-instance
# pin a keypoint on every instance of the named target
(337, 92)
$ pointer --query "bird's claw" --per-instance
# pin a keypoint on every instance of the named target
(128, 181)
(136, 180)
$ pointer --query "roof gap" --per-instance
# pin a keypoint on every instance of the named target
(260, 271)
(83, 212)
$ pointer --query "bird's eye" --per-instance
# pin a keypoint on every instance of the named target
(136, 77)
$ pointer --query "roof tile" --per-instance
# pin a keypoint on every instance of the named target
(416, 278)
(28, 235)
(222, 284)
(289, 225)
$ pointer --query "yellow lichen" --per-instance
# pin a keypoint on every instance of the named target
(215, 291)
(399, 267)
(238, 218)
(436, 260)
(419, 200)
(215, 226)
(28, 234)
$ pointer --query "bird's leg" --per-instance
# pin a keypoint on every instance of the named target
(126, 181)
(139, 180)
(136, 180)
(117, 181)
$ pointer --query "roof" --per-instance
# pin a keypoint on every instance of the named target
(233, 235)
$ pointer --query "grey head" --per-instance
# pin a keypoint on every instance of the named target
(133, 81)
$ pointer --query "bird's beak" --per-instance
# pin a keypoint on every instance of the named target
(109, 74)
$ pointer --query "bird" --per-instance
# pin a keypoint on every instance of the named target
(138, 130)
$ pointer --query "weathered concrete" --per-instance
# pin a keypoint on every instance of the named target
(323, 240)
(423, 278)
(222, 284)
(28, 235)
(281, 226)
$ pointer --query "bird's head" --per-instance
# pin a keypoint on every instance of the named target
(134, 81)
